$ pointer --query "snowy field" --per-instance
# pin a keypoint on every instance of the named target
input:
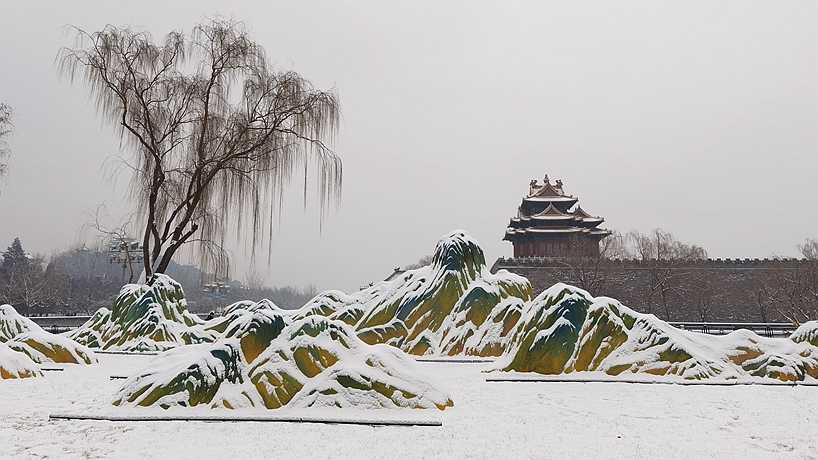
(489, 420)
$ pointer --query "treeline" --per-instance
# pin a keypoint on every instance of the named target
(81, 280)
(674, 291)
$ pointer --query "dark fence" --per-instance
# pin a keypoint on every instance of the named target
(58, 324)
(765, 329)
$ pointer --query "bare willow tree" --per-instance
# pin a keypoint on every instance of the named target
(5, 130)
(215, 132)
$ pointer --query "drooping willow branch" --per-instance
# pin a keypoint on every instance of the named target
(5, 130)
(216, 134)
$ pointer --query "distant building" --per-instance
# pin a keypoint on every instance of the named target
(217, 288)
(552, 234)
(550, 223)
(124, 251)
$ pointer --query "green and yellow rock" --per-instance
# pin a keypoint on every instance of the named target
(15, 365)
(145, 318)
(420, 310)
(311, 362)
(566, 330)
(22, 335)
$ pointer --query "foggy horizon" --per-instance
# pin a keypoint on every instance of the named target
(699, 119)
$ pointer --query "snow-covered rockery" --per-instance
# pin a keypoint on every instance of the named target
(436, 309)
(567, 330)
(267, 359)
(145, 318)
(15, 365)
(25, 344)
(443, 308)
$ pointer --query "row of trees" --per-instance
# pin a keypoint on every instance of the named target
(22, 278)
(657, 245)
(663, 284)
(80, 280)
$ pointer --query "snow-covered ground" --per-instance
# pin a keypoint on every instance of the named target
(489, 420)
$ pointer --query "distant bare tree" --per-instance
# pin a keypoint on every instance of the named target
(119, 237)
(422, 262)
(659, 250)
(253, 280)
(5, 130)
(215, 132)
(789, 296)
(701, 293)
(796, 291)
(764, 298)
(589, 273)
(809, 249)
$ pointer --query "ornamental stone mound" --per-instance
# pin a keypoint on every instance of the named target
(338, 350)
(23, 337)
(145, 318)
(344, 350)
(261, 362)
(432, 310)
(566, 330)
(15, 365)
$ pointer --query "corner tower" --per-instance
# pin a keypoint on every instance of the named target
(550, 223)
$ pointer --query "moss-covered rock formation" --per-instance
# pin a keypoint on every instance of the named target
(421, 311)
(15, 365)
(145, 318)
(566, 330)
(310, 362)
(22, 335)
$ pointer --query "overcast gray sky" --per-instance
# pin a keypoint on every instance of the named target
(699, 117)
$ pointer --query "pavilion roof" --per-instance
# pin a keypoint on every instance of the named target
(546, 190)
(583, 216)
(556, 218)
(552, 213)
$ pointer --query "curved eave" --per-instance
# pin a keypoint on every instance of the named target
(592, 220)
(553, 218)
(562, 219)
(522, 231)
(549, 199)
